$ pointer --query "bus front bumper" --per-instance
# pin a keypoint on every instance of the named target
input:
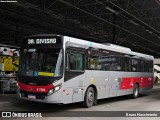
(44, 98)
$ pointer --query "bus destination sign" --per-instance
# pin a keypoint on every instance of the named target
(42, 41)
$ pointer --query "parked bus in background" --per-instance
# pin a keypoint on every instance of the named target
(8, 56)
(156, 73)
(61, 69)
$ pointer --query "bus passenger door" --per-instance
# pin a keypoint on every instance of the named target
(74, 76)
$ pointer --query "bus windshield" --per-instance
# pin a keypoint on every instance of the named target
(41, 62)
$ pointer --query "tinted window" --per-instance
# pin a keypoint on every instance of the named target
(75, 61)
(141, 65)
(146, 66)
(111, 63)
(126, 64)
(134, 65)
(150, 66)
(93, 59)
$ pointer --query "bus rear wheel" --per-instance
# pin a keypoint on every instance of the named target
(89, 97)
(135, 91)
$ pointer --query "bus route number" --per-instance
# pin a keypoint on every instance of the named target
(41, 89)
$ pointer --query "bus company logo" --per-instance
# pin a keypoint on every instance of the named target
(6, 114)
(8, 1)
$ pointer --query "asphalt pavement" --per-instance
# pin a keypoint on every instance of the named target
(114, 108)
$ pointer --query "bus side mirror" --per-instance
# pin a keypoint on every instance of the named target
(67, 60)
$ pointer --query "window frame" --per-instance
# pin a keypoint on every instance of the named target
(141, 65)
(126, 67)
(68, 52)
(134, 60)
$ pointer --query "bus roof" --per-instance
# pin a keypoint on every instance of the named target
(109, 46)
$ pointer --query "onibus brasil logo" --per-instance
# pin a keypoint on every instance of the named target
(19, 114)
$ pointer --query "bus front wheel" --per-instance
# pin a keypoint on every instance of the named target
(135, 91)
(89, 97)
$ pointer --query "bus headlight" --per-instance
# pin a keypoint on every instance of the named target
(51, 91)
(55, 89)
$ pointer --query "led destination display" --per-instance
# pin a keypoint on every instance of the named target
(42, 41)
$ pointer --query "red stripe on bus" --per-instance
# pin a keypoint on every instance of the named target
(128, 83)
(32, 88)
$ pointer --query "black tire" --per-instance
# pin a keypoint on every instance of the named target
(89, 97)
(135, 91)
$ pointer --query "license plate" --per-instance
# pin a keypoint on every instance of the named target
(32, 96)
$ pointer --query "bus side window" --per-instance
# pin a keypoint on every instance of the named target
(146, 66)
(126, 64)
(151, 66)
(75, 61)
(134, 65)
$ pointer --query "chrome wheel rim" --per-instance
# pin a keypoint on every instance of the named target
(90, 97)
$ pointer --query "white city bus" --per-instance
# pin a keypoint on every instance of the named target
(61, 69)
